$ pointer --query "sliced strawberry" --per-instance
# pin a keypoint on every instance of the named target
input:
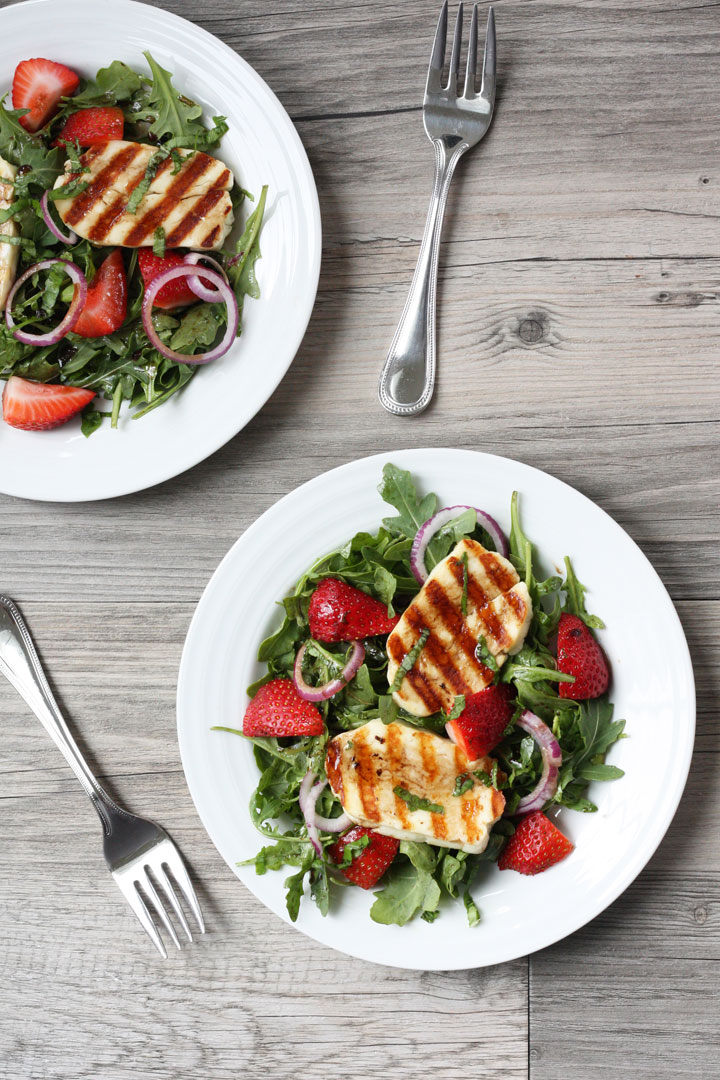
(479, 727)
(89, 126)
(580, 655)
(40, 406)
(369, 865)
(106, 305)
(277, 709)
(176, 293)
(535, 845)
(339, 612)
(38, 86)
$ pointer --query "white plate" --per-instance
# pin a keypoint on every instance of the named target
(652, 688)
(262, 147)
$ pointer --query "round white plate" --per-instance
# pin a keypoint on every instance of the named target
(652, 688)
(262, 147)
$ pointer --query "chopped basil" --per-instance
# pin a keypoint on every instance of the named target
(416, 802)
(159, 242)
(463, 602)
(409, 661)
(483, 654)
(463, 783)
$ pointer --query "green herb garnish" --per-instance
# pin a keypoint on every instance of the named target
(416, 802)
(409, 661)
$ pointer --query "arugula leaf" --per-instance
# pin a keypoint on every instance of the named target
(173, 114)
(295, 887)
(112, 84)
(22, 148)
(417, 802)
(422, 856)
(398, 489)
(198, 329)
(575, 598)
(601, 772)
(91, 421)
(408, 891)
(241, 268)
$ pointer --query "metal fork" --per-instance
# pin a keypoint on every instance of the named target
(136, 850)
(453, 123)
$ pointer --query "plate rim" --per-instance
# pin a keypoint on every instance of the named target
(314, 221)
(624, 878)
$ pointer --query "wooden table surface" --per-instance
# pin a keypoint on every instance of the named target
(578, 331)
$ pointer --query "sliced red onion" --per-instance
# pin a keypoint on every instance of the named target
(71, 315)
(307, 805)
(196, 285)
(66, 238)
(191, 273)
(328, 689)
(433, 525)
(309, 794)
(552, 760)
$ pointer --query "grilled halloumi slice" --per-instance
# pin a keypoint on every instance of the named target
(8, 252)
(188, 197)
(498, 609)
(365, 766)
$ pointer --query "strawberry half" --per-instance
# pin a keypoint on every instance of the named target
(176, 293)
(38, 86)
(580, 655)
(370, 864)
(89, 126)
(35, 406)
(105, 309)
(339, 612)
(535, 845)
(277, 709)
(479, 727)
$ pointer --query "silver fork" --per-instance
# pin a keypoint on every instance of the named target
(136, 850)
(453, 123)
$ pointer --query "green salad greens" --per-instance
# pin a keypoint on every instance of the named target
(121, 366)
(379, 563)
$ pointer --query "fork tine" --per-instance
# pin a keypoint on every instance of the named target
(471, 69)
(437, 59)
(149, 889)
(167, 888)
(455, 55)
(136, 902)
(487, 90)
(173, 860)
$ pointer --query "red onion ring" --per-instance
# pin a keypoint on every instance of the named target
(552, 760)
(308, 797)
(190, 272)
(66, 238)
(196, 284)
(328, 689)
(71, 315)
(428, 529)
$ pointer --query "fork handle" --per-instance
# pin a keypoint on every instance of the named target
(407, 379)
(20, 664)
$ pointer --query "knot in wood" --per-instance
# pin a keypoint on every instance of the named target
(531, 331)
(700, 915)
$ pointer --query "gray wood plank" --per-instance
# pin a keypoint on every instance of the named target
(578, 331)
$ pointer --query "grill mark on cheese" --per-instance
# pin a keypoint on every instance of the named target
(333, 770)
(494, 628)
(198, 164)
(394, 753)
(117, 208)
(434, 652)
(502, 577)
(468, 812)
(199, 209)
(83, 203)
(430, 767)
(365, 777)
(452, 619)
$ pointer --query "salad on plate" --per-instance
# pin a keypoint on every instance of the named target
(116, 277)
(429, 701)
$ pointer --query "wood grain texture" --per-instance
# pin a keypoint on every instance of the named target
(578, 331)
